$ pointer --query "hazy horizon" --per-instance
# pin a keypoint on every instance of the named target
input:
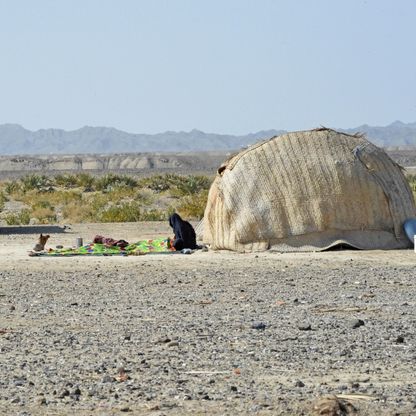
(206, 132)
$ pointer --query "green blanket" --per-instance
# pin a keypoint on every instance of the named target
(157, 245)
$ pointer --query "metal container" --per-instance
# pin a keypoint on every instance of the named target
(79, 242)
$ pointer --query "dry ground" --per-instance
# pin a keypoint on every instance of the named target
(207, 333)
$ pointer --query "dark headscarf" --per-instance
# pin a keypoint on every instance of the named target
(184, 233)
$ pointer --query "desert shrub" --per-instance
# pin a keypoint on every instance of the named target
(115, 198)
(412, 181)
(75, 212)
(189, 185)
(193, 206)
(119, 194)
(129, 181)
(3, 199)
(21, 218)
(86, 181)
(160, 183)
(65, 197)
(97, 202)
(66, 180)
(110, 181)
(12, 187)
(179, 185)
(45, 215)
(144, 196)
(154, 215)
(57, 198)
(89, 209)
(35, 182)
(125, 212)
(131, 212)
(43, 203)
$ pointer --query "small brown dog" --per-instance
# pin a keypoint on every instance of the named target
(40, 245)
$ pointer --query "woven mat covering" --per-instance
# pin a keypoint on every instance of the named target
(309, 189)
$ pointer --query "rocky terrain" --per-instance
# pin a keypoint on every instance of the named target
(406, 158)
(139, 163)
(136, 163)
(206, 333)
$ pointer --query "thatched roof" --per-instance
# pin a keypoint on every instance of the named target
(308, 190)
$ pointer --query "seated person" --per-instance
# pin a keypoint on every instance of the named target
(185, 236)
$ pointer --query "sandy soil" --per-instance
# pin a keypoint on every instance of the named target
(206, 333)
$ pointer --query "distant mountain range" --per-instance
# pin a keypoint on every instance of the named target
(16, 140)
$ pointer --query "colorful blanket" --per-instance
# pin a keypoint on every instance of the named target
(157, 245)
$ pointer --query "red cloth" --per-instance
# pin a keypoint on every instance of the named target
(110, 242)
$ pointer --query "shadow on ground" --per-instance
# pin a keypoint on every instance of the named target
(33, 229)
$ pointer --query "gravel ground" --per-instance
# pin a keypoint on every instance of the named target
(207, 333)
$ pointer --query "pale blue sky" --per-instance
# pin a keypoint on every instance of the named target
(223, 66)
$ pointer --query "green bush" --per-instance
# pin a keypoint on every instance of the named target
(125, 212)
(57, 198)
(44, 215)
(77, 213)
(412, 181)
(97, 203)
(180, 185)
(64, 197)
(43, 203)
(86, 181)
(66, 180)
(3, 199)
(160, 183)
(35, 182)
(22, 218)
(111, 198)
(111, 180)
(11, 187)
(154, 215)
(145, 197)
(191, 185)
(193, 206)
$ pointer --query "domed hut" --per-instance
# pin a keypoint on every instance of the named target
(308, 191)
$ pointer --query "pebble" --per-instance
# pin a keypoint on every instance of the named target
(356, 323)
(163, 340)
(64, 393)
(258, 325)
(221, 353)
